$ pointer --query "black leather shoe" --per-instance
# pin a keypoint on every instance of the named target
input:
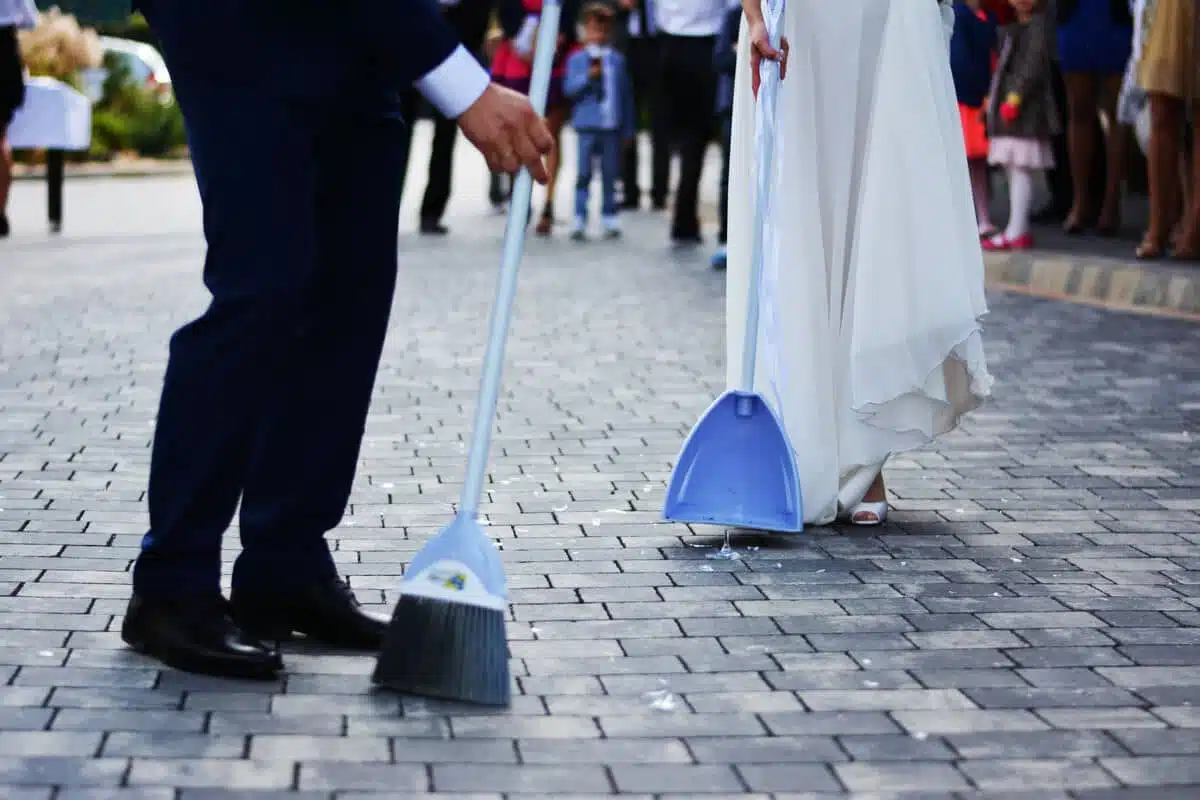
(4, 229)
(198, 637)
(431, 227)
(327, 612)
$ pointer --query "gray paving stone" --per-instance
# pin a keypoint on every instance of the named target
(1026, 626)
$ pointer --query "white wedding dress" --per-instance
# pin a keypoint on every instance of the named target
(872, 292)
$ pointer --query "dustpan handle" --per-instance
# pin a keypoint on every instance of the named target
(764, 144)
(514, 245)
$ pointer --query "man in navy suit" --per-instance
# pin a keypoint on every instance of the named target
(291, 112)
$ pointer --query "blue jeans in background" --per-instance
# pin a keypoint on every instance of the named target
(605, 146)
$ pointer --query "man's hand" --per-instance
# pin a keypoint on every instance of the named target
(510, 134)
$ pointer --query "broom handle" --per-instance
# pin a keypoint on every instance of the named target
(765, 144)
(514, 244)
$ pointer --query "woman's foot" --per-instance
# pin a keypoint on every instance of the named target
(873, 509)
(1077, 222)
(1185, 244)
(1151, 248)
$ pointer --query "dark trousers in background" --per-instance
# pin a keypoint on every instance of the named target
(266, 394)
(686, 94)
(726, 145)
(441, 158)
(643, 57)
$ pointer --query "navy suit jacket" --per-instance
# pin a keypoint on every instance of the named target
(358, 53)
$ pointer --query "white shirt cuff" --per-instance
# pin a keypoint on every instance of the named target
(454, 85)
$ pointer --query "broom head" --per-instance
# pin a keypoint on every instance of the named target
(447, 636)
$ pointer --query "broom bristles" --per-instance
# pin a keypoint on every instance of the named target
(446, 650)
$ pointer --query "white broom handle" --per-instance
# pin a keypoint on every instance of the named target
(514, 244)
(764, 143)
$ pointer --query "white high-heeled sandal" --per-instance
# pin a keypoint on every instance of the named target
(877, 510)
(855, 486)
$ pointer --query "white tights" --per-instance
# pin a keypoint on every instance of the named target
(1020, 199)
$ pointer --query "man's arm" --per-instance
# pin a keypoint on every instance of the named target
(425, 52)
(428, 54)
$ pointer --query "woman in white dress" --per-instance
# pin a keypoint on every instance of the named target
(872, 288)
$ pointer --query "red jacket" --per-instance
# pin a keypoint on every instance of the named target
(999, 10)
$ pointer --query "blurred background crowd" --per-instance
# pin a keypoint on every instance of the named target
(1080, 104)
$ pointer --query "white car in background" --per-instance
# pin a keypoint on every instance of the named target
(145, 63)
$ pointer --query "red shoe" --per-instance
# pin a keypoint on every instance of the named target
(1000, 242)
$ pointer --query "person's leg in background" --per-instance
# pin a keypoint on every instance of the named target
(586, 142)
(1162, 163)
(610, 146)
(6, 177)
(981, 192)
(441, 175)
(694, 90)
(299, 475)
(556, 120)
(1058, 178)
(1186, 246)
(410, 102)
(661, 139)
(1115, 137)
(719, 258)
(1082, 90)
(12, 96)
(1020, 190)
(641, 74)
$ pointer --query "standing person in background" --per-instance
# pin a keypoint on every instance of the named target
(1169, 73)
(513, 68)
(972, 58)
(725, 65)
(642, 45)
(1022, 116)
(1095, 39)
(14, 14)
(469, 18)
(597, 83)
(687, 93)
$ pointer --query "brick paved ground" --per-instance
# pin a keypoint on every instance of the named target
(1026, 627)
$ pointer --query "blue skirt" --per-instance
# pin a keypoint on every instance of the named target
(1092, 42)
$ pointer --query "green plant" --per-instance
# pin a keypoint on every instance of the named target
(132, 117)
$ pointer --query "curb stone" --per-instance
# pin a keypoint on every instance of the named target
(1144, 288)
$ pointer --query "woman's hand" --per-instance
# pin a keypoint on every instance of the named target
(760, 48)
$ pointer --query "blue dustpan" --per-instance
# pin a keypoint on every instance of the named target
(737, 468)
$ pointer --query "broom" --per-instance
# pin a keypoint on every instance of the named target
(447, 638)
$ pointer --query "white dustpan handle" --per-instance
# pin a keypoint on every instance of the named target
(514, 245)
(764, 144)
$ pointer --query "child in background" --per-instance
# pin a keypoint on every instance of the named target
(725, 64)
(512, 67)
(1022, 116)
(598, 84)
(972, 58)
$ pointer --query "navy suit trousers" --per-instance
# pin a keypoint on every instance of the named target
(266, 394)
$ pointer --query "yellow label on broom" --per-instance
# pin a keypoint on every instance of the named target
(453, 582)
